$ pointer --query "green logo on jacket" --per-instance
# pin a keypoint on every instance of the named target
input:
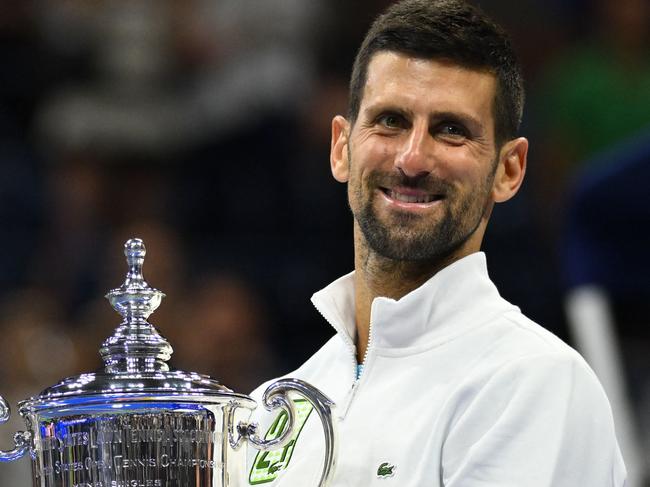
(385, 470)
(269, 464)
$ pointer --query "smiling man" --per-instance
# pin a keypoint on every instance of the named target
(438, 381)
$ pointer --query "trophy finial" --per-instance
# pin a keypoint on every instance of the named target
(135, 251)
(135, 300)
(135, 341)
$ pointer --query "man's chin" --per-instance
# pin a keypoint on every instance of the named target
(408, 243)
(401, 246)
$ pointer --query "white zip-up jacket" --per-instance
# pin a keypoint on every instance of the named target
(458, 389)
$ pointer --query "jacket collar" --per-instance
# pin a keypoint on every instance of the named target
(456, 299)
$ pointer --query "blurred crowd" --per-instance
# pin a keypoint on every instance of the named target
(202, 127)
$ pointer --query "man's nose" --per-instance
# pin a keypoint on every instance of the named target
(414, 158)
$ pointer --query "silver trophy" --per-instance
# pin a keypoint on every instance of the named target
(139, 424)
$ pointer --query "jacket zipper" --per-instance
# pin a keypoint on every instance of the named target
(365, 354)
(343, 409)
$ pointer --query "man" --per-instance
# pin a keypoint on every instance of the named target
(437, 380)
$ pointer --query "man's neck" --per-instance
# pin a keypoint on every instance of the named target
(377, 276)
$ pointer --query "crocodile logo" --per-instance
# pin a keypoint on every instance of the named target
(385, 470)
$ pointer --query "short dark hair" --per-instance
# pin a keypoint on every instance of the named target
(452, 30)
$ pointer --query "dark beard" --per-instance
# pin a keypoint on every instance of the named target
(398, 241)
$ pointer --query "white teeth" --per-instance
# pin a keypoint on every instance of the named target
(410, 198)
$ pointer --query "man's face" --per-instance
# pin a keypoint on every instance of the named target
(421, 158)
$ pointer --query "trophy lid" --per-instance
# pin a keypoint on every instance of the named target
(135, 356)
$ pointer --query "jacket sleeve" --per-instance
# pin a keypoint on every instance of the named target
(538, 421)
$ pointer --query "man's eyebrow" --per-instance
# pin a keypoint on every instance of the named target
(379, 108)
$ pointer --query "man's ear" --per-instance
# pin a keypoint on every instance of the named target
(510, 170)
(339, 149)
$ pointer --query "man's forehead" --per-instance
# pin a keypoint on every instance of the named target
(400, 76)
(386, 56)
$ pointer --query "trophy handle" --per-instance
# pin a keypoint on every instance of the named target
(21, 439)
(277, 396)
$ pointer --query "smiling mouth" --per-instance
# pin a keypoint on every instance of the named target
(411, 196)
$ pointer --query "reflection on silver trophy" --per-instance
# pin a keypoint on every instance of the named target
(139, 424)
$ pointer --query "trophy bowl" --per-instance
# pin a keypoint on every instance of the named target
(137, 423)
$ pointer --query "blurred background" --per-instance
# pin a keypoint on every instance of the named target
(202, 126)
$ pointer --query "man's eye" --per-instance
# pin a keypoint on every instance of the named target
(452, 130)
(391, 121)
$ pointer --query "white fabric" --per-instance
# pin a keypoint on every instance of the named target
(459, 389)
